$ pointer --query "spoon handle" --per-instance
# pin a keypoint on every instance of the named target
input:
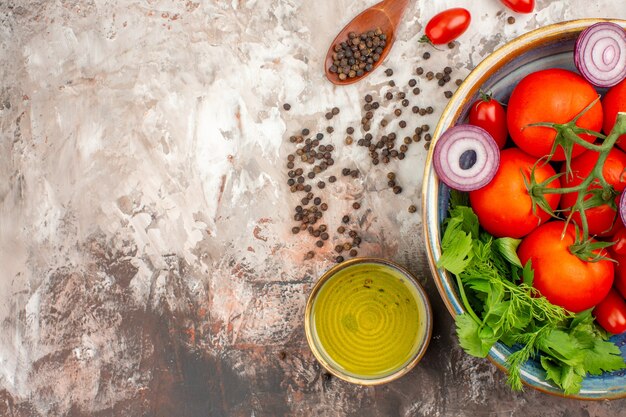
(394, 9)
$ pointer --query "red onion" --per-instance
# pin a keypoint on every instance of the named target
(466, 157)
(600, 54)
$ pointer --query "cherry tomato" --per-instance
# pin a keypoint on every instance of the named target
(446, 26)
(610, 313)
(490, 115)
(602, 220)
(614, 101)
(503, 206)
(520, 6)
(552, 95)
(560, 276)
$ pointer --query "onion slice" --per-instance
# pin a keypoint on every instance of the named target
(466, 157)
(600, 54)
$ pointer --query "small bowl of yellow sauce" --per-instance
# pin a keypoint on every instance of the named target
(368, 321)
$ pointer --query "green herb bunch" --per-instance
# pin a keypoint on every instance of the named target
(496, 289)
(501, 305)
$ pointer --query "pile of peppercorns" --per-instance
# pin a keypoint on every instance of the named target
(316, 157)
(357, 54)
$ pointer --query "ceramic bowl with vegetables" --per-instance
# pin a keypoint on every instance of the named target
(525, 210)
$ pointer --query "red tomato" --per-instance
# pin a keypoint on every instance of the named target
(610, 313)
(561, 277)
(552, 95)
(520, 6)
(614, 101)
(447, 26)
(620, 270)
(503, 206)
(619, 247)
(489, 114)
(603, 220)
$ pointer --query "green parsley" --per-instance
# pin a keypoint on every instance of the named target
(502, 305)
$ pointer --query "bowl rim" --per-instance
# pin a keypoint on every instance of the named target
(430, 185)
(422, 298)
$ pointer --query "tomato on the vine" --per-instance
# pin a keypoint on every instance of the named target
(490, 115)
(552, 95)
(559, 275)
(520, 6)
(446, 26)
(610, 313)
(614, 101)
(602, 220)
(504, 207)
(618, 253)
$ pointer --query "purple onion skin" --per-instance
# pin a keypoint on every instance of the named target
(583, 66)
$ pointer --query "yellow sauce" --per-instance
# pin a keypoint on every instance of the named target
(367, 320)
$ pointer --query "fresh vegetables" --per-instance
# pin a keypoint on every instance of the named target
(504, 206)
(610, 313)
(466, 157)
(520, 6)
(498, 308)
(600, 54)
(490, 115)
(446, 26)
(559, 275)
(555, 96)
(614, 101)
(559, 291)
(602, 218)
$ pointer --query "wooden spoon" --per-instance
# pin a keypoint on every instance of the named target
(385, 15)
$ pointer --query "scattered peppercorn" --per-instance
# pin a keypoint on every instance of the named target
(310, 254)
(345, 219)
(356, 206)
(338, 259)
(448, 94)
(397, 189)
(389, 72)
(510, 20)
(426, 55)
(412, 82)
(287, 106)
(353, 252)
(412, 209)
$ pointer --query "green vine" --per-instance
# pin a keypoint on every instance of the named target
(600, 193)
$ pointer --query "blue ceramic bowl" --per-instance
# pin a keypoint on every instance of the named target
(548, 47)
